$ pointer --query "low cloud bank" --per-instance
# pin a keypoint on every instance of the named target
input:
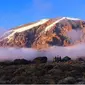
(17, 53)
(74, 52)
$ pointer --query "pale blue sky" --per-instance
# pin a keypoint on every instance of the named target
(18, 12)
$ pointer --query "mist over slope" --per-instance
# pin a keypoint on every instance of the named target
(73, 52)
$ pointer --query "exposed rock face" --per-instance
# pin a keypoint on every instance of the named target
(21, 61)
(45, 33)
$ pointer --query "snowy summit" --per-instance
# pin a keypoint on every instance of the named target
(22, 28)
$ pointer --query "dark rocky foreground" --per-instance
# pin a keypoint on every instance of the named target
(66, 72)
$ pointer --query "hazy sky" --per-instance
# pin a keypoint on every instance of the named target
(18, 12)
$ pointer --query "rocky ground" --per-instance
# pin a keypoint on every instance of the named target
(67, 72)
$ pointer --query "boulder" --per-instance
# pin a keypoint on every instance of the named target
(21, 61)
(40, 60)
(66, 58)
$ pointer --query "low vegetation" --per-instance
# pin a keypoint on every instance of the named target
(39, 71)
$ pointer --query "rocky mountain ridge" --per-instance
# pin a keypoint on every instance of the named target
(45, 33)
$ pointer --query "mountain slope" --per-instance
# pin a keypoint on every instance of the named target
(62, 31)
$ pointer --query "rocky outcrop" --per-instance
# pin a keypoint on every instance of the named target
(40, 60)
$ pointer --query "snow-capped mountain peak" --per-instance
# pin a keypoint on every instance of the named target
(57, 21)
(45, 33)
(21, 29)
(70, 18)
(42, 21)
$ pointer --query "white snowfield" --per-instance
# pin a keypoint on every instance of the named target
(72, 18)
(6, 34)
(10, 33)
(28, 27)
(50, 26)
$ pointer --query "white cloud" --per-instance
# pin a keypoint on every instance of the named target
(73, 52)
(75, 35)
